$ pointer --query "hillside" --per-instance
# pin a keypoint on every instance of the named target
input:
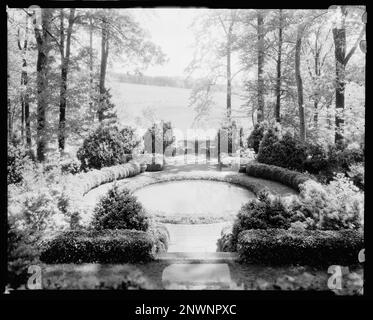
(168, 103)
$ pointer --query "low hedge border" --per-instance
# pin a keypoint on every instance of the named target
(287, 177)
(95, 178)
(81, 184)
(105, 246)
(233, 178)
(309, 247)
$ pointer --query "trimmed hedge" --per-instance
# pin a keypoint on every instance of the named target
(105, 246)
(94, 178)
(310, 247)
(287, 177)
(82, 183)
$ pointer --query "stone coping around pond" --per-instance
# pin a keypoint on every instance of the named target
(253, 184)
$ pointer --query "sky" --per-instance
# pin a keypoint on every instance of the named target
(170, 29)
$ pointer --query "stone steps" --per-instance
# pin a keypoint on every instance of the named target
(198, 257)
(194, 237)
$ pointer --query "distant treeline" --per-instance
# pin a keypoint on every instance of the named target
(162, 81)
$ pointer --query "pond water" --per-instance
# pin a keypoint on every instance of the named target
(194, 197)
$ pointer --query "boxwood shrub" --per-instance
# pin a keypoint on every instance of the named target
(291, 153)
(286, 152)
(262, 213)
(288, 177)
(107, 146)
(308, 247)
(71, 166)
(256, 135)
(119, 209)
(152, 167)
(104, 246)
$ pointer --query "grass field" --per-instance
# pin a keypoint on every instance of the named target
(169, 104)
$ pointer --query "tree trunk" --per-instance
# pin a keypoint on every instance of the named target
(229, 78)
(339, 36)
(62, 110)
(329, 117)
(153, 143)
(9, 113)
(260, 112)
(278, 79)
(317, 74)
(298, 46)
(42, 84)
(65, 59)
(91, 65)
(341, 60)
(25, 105)
(104, 56)
(26, 99)
(316, 114)
(62, 121)
(27, 119)
(43, 42)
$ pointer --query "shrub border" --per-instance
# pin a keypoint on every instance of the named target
(290, 178)
(104, 246)
(310, 247)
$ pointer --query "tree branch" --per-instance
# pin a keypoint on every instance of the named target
(222, 23)
(19, 40)
(352, 50)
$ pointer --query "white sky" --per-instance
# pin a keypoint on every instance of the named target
(169, 28)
